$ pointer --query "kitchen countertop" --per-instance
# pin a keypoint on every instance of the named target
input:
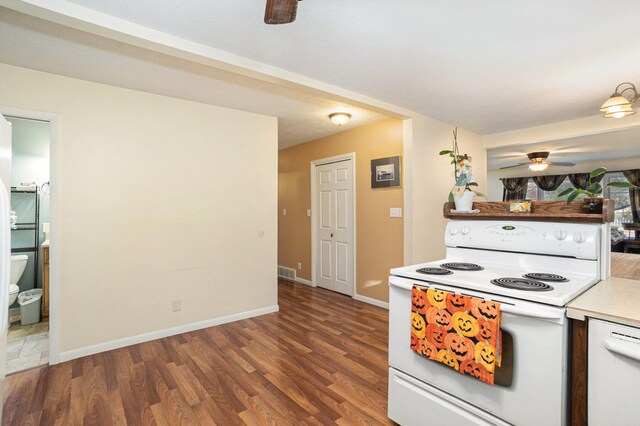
(615, 299)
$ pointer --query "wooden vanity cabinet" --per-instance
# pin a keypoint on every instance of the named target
(45, 284)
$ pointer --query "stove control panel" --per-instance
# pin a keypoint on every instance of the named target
(563, 239)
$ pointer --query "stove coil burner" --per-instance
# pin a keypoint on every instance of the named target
(522, 284)
(462, 266)
(546, 277)
(434, 271)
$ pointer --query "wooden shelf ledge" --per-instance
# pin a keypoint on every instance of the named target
(541, 211)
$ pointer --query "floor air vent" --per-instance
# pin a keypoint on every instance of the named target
(287, 273)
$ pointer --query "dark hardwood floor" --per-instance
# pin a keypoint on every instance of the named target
(321, 360)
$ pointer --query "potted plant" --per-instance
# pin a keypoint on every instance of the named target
(593, 201)
(461, 193)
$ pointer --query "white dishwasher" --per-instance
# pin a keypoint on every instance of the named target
(614, 374)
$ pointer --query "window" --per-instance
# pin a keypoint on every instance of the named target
(620, 197)
(532, 191)
(553, 195)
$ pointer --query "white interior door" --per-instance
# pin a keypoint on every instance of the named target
(5, 244)
(335, 226)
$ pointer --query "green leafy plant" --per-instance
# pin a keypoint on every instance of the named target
(461, 168)
(594, 189)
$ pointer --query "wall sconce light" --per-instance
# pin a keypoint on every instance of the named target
(617, 106)
(340, 118)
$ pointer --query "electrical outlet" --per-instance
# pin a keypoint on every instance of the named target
(284, 212)
(177, 305)
(309, 212)
(299, 265)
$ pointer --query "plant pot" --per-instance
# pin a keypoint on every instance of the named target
(592, 205)
(464, 201)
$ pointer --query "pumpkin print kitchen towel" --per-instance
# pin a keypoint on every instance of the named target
(462, 332)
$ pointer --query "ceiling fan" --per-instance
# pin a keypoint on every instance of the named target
(280, 11)
(539, 162)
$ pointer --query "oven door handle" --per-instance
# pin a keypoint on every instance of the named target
(531, 312)
(628, 350)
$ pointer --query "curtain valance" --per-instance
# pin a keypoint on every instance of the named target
(549, 183)
(633, 176)
(514, 188)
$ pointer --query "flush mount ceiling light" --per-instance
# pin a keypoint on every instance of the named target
(340, 118)
(618, 106)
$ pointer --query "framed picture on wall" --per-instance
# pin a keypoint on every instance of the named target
(385, 172)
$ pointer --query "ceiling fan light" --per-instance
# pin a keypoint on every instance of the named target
(340, 118)
(538, 167)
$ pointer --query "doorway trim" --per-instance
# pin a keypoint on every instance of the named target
(314, 216)
(54, 262)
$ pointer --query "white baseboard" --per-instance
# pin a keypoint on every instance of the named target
(140, 338)
(303, 281)
(372, 301)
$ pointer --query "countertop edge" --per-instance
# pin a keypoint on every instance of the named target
(608, 301)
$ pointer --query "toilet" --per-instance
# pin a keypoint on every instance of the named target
(18, 264)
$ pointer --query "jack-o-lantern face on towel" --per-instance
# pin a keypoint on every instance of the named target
(465, 324)
(427, 349)
(418, 325)
(437, 298)
(439, 317)
(457, 302)
(419, 300)
(487, 331)
(459, 346)
(476, 370)
(415, 342)
(436, 335)
(484, 309)
(485, 354)
(447, 358)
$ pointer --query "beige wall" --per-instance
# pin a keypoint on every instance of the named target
(431, 180)
(379, 238)
(556, 131)
(158, 199)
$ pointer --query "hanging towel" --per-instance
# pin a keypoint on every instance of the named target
(462, 332)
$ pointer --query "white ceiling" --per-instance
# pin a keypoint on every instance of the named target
(488, 66)
(608, 145)
(45, 46)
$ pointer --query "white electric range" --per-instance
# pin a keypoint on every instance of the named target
(533, 269)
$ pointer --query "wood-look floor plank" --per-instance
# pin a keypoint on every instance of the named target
(321, 360)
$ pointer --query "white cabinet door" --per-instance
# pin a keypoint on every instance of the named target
(334, 206)
(614, 374)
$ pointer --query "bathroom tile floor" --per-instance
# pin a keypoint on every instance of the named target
(27, 346)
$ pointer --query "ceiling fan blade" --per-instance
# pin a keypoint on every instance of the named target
(515, 165)
(562, 163)
(280, 11)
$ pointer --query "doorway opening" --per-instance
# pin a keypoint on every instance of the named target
(28, 334)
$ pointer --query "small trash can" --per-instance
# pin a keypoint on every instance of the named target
(29, 302)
